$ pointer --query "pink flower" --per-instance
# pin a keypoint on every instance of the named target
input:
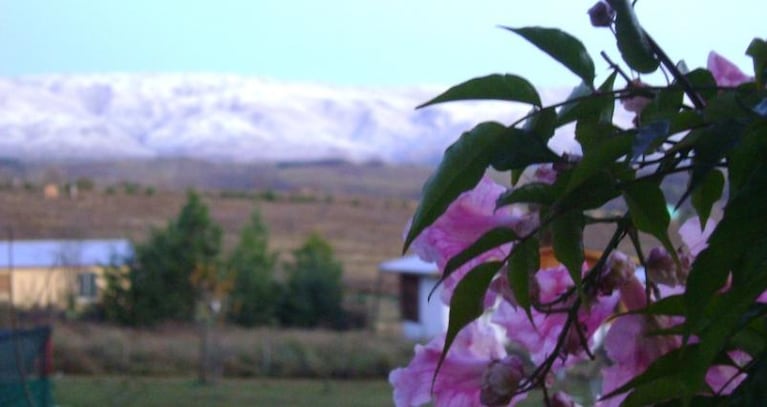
(632, 351)
(545, 173)
(693, 237)
(476, 350)
(540, 337)
(725, 72)
(724, 379)
(467, 219)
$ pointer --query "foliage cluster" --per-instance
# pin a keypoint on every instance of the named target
(181, 273)
(696, 331)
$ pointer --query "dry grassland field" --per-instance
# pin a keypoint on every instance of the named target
(363, 230)
(360, 209)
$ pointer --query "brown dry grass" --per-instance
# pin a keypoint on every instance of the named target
(173, 350)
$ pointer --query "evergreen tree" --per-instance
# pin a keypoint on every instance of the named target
(313, 292)
(255, 292)
(159, 285)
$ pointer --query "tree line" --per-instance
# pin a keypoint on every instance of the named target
(182, 273)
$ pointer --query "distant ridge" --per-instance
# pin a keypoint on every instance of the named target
(228, 118)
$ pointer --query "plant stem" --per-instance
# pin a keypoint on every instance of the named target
(678, 76)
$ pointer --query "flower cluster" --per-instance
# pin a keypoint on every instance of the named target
(513, 348)
(478, 371)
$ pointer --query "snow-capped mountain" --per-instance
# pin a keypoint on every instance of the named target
(228, 117)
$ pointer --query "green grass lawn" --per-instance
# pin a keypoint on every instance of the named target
(75, 391)
(71, 391)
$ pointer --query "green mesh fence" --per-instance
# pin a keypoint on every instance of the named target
(25, 361)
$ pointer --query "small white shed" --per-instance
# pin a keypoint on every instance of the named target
(421, 318)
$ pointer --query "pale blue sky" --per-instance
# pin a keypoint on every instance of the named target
(349, 42)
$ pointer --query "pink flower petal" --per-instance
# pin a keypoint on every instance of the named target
(460, 378)
(725, 72)
(467, 219)
(695, 238)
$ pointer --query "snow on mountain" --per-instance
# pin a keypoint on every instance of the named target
(228, 117)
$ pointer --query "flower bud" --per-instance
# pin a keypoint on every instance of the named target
(618, 270)
(662, 269)
(601, 14)
(636, 104)
(500, 381)
(546, 174)
(573, 343)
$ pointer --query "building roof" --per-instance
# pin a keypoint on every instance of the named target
(62, 253)
(411, 264)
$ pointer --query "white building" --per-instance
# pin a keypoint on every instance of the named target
(421, 318)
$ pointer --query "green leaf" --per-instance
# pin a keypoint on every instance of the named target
(647, 207)
(750, 340)
(744, 223)
(592, 194)
(585, 103)
(516, 174)
(489, 240)
(492, 87)
(567, 231)
(607, 107)
(745, 156)
(462, 166)
(518, 148)
(671, 305)
(748, 282)
(603, 155)
(661, 369)
(648, 137)
(703, 82)
(653, 392)
(710, 144)
(709, 191)
(633, 42)
(563, 47)
(525, 260)
(685, 120)
(570, 111)
(590, 134)
(542, 123)
(727, 106)
(534, 192)
(466, 304)
(757, 50)
(664, 106)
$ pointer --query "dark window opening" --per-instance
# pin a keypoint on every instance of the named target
(409, 297)
(86, 285)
